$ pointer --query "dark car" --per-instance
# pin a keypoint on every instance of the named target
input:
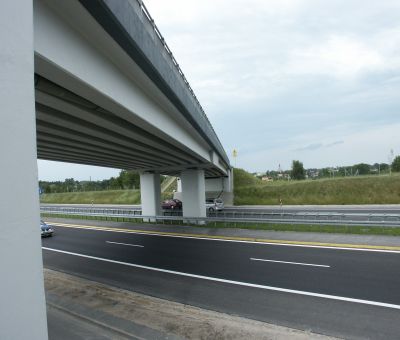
(173, 204)
(45, 229)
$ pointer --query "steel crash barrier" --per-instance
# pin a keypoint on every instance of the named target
(231, 217)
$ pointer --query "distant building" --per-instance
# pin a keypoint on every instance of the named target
(267, 179)
(312, 173)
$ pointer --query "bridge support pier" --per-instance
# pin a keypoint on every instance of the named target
(150, 192)
(193, 194)
(22, 307)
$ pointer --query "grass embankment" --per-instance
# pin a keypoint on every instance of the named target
(97, 197)
(249, 190)
(383, 189)
(359, 230)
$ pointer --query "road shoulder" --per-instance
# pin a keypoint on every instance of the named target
(133, 315)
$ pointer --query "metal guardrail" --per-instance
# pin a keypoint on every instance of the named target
(321, 218)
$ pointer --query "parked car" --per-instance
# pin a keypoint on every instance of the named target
(173, 204)
(45, 229)
(214, 204)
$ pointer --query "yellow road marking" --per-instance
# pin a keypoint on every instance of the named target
(233, 238)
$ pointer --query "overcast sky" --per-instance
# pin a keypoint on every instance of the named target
(313, 80)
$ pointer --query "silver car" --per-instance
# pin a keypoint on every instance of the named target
(214, 204)
(45, 229)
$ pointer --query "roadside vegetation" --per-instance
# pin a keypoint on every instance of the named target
(97, 197)
(358, 184)
(374, 189)
(250, 190)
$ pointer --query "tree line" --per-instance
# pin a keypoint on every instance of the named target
(298, 172)
(125, 180)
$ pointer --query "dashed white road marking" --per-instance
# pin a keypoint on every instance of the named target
(299, 263)
(125, 244)
(238, 283)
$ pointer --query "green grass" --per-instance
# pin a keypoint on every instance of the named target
(97, 197)
(383, 189)
(249, 190)
(359, 230)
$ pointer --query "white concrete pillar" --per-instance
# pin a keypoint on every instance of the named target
(193, 193)
(178, 184)
(22, 299)
(150, 193)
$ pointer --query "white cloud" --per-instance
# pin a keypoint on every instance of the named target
(339, 56)
(370, 146)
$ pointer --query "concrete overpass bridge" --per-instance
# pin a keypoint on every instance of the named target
(90, 82)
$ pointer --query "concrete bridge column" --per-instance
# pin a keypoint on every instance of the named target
(193, 193)
(150, 192)
(22, 299)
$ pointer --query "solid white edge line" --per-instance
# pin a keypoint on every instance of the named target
(299, 263)
(110, 229)
(238, 283)
(125, 244)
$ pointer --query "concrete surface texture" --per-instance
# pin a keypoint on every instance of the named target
(21, 285)
(193, 193)
(150, 192)
(104, 312)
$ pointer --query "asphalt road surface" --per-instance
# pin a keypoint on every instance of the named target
(344, 293)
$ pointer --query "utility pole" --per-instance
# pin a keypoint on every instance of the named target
(234, 154)
(390, 159)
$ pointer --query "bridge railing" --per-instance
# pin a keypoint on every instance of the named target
(175, 63)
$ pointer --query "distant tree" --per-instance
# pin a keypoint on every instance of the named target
(396, 164)
(298, 171)
(115, 183)
(384, 166)
(363, 169)
(69, 184)
(129, 179)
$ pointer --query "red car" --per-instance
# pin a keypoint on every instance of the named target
(173, 204)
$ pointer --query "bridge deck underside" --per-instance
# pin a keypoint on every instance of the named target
(72, 129)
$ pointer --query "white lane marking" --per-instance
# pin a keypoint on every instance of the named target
(110, 229)
(126, 244)
(299, 263)
(238, 283)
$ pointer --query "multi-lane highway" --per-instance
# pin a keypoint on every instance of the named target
(346, 293)
(368, 215)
